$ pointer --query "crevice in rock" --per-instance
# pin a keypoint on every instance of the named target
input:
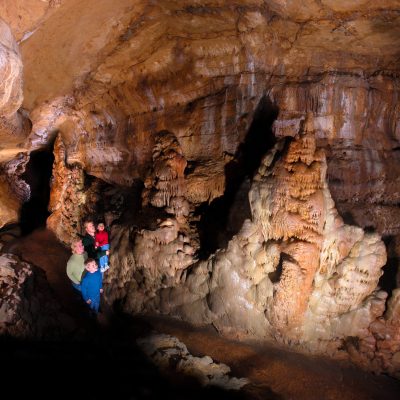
(223, 218)
(37, 175)
(275, 276)
(388, 281)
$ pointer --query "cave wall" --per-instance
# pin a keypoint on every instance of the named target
(156, 111)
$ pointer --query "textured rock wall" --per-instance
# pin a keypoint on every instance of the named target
(28, 308)
(163, 103)
(13, 127)
(357, 122)
(9, 205)
(295, 272)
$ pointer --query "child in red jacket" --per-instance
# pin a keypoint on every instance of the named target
(102, 243)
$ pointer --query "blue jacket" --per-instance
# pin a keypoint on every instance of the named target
(91, 284)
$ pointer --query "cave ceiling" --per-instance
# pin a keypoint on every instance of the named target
(147, 60)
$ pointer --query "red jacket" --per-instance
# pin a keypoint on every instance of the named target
(101, 238)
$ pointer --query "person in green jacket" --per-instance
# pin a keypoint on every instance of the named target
(76, 264)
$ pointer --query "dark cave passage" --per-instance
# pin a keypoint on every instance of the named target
(37, 175)
(389, 280)
(224, 217)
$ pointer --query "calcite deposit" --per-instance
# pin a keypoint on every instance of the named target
(171, 355)
(245, 155)
(69, 202)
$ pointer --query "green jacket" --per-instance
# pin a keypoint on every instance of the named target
(75, 267)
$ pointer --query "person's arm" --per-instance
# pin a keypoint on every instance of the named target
(71, 273)
(85, 241)
(83, 275)
(109, 244)
(84, 289)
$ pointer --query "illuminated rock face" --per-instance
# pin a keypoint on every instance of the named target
(356, 122)
(9, 205)
(294, 272)
(67, 199)
(13, 127)
(156, 108)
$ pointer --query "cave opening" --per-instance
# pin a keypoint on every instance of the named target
(223, 218)
(37, 175)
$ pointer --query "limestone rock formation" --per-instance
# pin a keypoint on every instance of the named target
(161, 113)
(13, 126)
(295, 272)
(28, 308)
(67, 201)
(166, 351)
(9, 204)
(165, 186)
(356, 121)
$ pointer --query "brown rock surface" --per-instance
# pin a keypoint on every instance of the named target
(27, 306)
(295, 272)
(9, 204)
(160, 111)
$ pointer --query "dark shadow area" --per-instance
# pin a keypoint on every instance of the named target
(9, 232)
(275, 276)
(223, 218)
(388, 281)
(348, 219)
(113, 203)
(37, 175)
(108, 365)
(260, 137)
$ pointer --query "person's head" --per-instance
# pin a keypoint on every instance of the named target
(100, 227)
(77, 247)
(89, 227)
(91, 265)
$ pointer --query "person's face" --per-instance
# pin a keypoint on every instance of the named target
(79, 249)
(90, 229)
(92, 267)
(100, 227)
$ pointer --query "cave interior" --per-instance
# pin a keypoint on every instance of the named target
(244, 158)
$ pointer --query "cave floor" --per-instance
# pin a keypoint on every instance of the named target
(109, 363)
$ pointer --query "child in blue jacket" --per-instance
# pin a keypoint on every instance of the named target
(92, 285)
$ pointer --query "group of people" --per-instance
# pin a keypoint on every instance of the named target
(88, 262)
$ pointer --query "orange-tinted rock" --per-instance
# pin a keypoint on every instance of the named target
(70, 202)
(9, 204)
